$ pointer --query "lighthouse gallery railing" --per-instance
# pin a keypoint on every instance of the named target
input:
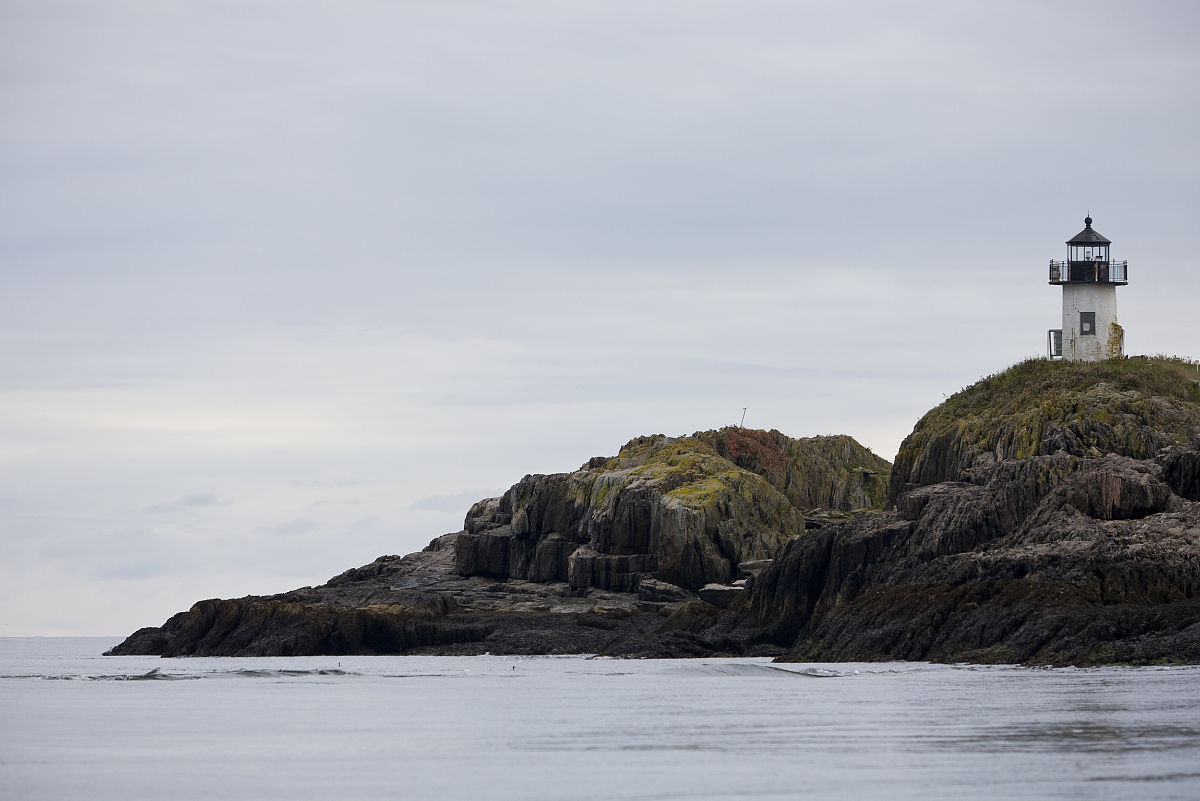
(1111, 272)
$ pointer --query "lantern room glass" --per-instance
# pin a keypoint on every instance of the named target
(1093, 252)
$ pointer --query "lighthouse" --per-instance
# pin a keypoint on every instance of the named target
(1089, 281)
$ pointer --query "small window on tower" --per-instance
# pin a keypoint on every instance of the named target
(1087, 323)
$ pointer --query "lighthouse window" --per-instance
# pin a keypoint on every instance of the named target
(1087, 323)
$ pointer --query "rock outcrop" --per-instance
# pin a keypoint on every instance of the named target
(1013, 538)
(1049, 514)
(598, 560)
(685, 510)
(1133, 407)
(414, 604)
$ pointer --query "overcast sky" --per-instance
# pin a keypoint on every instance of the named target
(288, 285)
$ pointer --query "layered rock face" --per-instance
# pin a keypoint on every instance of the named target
(1049, 514)
(1064, 555)
(604, 559)
(1133, 407)
(683, 510)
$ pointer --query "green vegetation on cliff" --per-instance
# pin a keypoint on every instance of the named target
(1132, 407)
(685, 510)
(685, 469)
(830, 472)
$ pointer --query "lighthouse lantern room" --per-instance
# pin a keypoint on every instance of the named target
(1089, 278)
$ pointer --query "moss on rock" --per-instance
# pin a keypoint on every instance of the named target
(1132, 407)
(687, 509)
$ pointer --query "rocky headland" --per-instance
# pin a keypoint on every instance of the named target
(1049, 514)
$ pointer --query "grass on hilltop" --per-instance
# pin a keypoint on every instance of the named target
(1132, 407)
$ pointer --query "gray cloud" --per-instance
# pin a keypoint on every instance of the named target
(190, 501)
(412, 249)
(458, 503)
(291, 527)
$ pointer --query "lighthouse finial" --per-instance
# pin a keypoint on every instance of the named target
(1087, 221)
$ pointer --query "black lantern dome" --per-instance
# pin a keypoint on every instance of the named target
(1089, 238)
(1088, 260)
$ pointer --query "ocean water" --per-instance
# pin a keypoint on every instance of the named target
(77, 725)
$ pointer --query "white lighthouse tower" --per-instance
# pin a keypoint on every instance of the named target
(1089, 280)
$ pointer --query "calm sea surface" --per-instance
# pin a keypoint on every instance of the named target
(77, 725)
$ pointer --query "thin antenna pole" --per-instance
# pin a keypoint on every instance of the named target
(743, 423)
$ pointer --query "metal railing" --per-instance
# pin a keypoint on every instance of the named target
(1111, 272)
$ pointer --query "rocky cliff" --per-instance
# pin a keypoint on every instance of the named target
(683, 510)
(600, 559)
(1047, 514)
(1133, 407)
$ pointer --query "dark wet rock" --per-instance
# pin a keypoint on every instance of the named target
(819, 518)
(650, 589)
(1114, 488)
(1102, 567)
(720, 595)
(752, 568)
(1181, 470)
(1064, 555)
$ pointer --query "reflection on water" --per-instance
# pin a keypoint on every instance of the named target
(1081, 736)
(78, 725)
